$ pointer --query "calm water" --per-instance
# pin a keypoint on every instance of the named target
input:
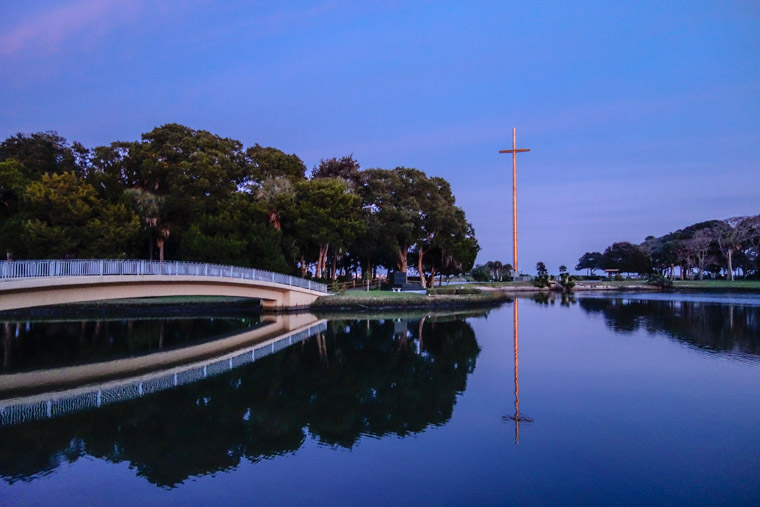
(621, 400)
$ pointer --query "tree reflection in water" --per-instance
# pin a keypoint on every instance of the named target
(362, 378)
(42, 344)
(724, 328)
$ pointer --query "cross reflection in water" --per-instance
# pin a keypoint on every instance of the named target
(517, 418)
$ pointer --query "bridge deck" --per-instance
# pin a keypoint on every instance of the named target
(25, 284)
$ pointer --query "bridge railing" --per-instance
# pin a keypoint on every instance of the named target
(14, 270)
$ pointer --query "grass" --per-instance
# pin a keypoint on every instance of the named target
(724, 285)
(387, 299)
(501, 284)
(613, 283)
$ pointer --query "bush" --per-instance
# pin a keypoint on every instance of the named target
(660, 281)
(541, 281)
(567, 281)
(335, 287)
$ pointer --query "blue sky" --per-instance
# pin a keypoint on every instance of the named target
(642, 117)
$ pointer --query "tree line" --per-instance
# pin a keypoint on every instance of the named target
(186, 194)
(730, 247)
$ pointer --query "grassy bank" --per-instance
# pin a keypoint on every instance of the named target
(376, 299)
(718, 285)
(633, 284)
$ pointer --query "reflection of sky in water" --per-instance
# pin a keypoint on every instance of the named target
(741, 298)
(632, 414)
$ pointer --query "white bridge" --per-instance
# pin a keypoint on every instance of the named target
(26, 284)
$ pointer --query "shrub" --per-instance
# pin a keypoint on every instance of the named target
(660, 281)
(568, 281)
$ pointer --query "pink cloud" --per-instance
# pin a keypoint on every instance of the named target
(47, 31)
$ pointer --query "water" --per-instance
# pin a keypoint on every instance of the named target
(624, 400)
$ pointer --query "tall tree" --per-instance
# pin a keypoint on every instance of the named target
(733, 236)
(148, 207)
(590, 261)
(454, 257)
(328, 214)
(441, 221)
(626, 257)
(65, 218)
(43, 152)
(393, 199)
(700, 246)
(344, 168)
(13, 181)
(265, 163)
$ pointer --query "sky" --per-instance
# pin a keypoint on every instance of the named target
(642, 117)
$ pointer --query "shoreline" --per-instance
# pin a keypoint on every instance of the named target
(351, 301)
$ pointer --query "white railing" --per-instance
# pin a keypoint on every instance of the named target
(14, 270)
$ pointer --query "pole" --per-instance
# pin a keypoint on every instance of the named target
(514, 151)
(514, 200)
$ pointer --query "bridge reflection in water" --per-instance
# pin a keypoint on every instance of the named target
(125, 379)
(363, 377)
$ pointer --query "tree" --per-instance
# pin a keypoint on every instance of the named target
(328, 213)
(562, 269)
(197, 195)
(392, 198)
(148, 207)
(237, 234)
(542, 280)
(344, 168)
(455, 256)
(276, 194)
(732, 237)
(42, 152)
(13, 181)
(626, 257)
(481, 273)
(496, 267)
(441, 222)
(65, 218)
(699, 247)
(590, 261)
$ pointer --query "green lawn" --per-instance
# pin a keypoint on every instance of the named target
(727, 285)
(378, 298)
(613, 283)
(499, 284)
(372, 296)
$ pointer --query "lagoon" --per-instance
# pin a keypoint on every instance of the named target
(630, 399)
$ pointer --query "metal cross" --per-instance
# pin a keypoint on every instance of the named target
(514, 151)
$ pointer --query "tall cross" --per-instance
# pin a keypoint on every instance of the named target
(514, 151)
